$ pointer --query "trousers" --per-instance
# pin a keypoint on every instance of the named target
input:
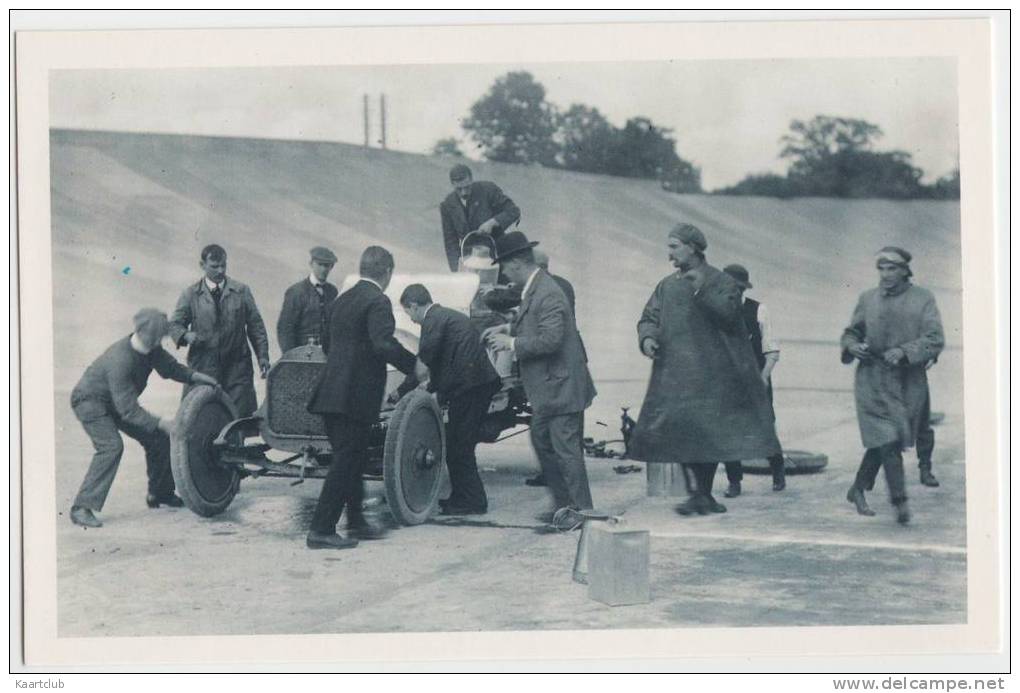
(557, 443)
(465, 414)
(890, 458)
(777, 463)
(343, 486)
(104, 426)
(699, 478)
(925, 437)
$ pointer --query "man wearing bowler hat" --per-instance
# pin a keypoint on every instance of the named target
(473, 206)
(766, 353)
(303, 316)
(546, 345)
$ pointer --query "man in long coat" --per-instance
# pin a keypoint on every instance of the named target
(359, 342)
(303, 316)
(706, 401)
(217, 318)
(547, 347)
(894, 333)
(473, 206)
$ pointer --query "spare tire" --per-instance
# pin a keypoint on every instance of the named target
(204, 484)
(413, 457)
(797, 462)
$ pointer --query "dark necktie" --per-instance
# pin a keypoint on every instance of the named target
(216, 293)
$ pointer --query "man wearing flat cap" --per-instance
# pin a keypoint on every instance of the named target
(473, 206)
(105, 401)
(895, 333)
(303, 316)
(546, 345)
(706, 402)
(766, 353)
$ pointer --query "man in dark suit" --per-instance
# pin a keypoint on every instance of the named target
(359, 342)
(542, 260)
(303, 316)
(473, 206)
(463, 378)
(547, 347)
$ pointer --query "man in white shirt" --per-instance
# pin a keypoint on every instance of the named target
(766, 351)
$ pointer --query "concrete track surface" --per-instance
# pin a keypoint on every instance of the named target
(130, 213)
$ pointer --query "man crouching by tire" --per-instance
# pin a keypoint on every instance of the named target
(105, 401)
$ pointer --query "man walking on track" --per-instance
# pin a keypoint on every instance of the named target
(894, 333)
(358, 345)
(706, 401)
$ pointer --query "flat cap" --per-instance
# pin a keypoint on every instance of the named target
(151, 318)
(689, 234)
(323, 254)
(459, 172)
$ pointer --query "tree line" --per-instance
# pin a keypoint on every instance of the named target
(828, 156)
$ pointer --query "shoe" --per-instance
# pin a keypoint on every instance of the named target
(319, 540)
(449, 509)
(536, 481)
(366, 532)
(902, 513)
(928, 479)
(856, 496)
(171, 501)
(778, 484)
(84, 517)
(713, 505)
(733, 490)
(693, 505)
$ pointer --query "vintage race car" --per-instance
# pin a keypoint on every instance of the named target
(213, 449)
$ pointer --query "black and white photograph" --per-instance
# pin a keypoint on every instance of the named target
(499, 342)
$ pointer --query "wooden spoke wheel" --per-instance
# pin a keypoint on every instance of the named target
(413, 458)
(204, 484)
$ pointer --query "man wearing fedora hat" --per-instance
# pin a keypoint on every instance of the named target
(706, 401)
(303, 316)
(895, 333)
(546, 345)
(766, 353)
(473, 206)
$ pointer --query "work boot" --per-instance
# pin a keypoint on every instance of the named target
(321, 540)
(693, 505)
(84, 517)
(170, 501)
(902, 513)
(778, 484)
(856, 496)
(927, 478)
(733, 490)
(713, 505)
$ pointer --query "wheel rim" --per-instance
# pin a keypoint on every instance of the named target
(421, 457)
(212, 480)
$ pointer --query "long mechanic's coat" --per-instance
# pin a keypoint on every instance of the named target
(890, 399)
(706, 401)
(221, 349)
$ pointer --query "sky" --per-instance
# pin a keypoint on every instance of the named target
(727, 115)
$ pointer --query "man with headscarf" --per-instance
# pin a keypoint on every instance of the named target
(473, 206)
(105, 401)
(894, 334)
(706, 401)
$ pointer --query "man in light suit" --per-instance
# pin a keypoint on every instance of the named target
(547, 347)
(358, 342)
